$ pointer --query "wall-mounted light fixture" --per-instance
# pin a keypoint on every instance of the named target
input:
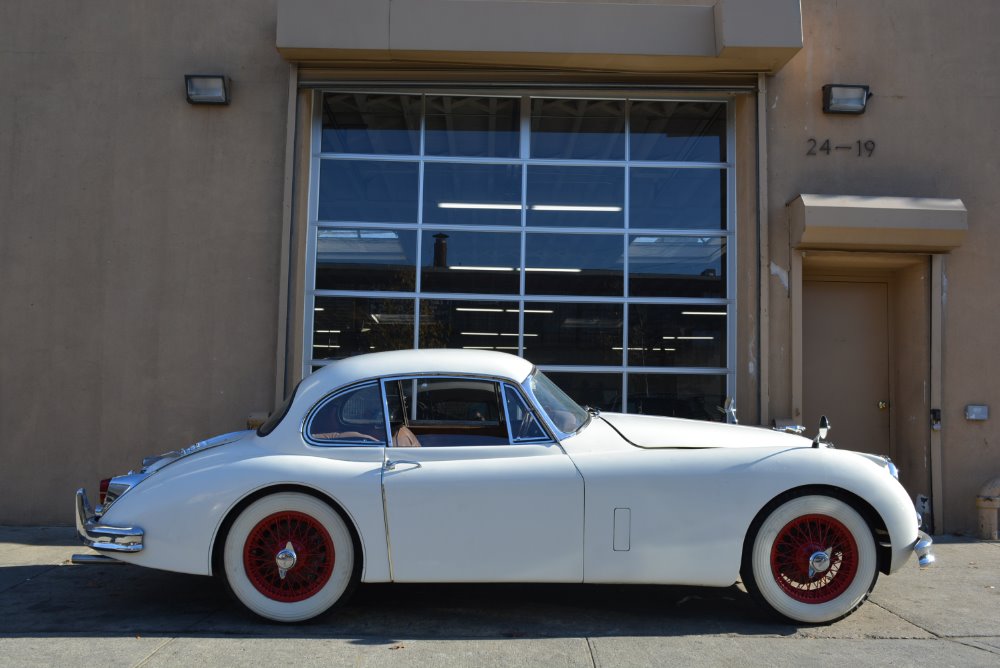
(845, 98)
(207, 88)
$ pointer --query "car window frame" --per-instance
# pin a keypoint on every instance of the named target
(497, 381)
(347, 443)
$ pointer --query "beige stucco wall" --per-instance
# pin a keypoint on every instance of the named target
(936, 97)
(139, 237)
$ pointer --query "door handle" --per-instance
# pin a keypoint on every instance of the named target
(883, 405)
(391, 465)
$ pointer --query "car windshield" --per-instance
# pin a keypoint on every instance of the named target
(565, 414)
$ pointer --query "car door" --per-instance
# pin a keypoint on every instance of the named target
(475, 489)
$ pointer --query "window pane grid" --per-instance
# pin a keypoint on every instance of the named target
(469, 221)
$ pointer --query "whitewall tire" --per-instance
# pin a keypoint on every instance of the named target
(289, 557)
(812, 559)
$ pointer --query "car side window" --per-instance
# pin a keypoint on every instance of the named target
(524, 425)
(443, 412)
(353, 417)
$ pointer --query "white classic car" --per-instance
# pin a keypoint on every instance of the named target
(472, 466)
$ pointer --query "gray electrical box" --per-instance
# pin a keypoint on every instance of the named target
(977, 412)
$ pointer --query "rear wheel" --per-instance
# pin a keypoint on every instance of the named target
(289, 557)
(812, 559)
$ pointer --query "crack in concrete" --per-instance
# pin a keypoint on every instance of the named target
(153, 653)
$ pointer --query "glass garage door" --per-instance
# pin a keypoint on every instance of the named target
(588, 235)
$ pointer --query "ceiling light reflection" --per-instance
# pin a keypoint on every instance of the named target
(562, 207)
(479, 205)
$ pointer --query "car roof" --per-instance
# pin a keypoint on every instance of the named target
(408, 362)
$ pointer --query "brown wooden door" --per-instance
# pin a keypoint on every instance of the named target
(845, 344)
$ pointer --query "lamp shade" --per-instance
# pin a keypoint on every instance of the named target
(845, 98)
(207, 88)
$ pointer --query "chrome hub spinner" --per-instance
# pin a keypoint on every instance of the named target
(819, 562)
(285, 560)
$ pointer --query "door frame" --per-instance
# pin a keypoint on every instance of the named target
(862, 266)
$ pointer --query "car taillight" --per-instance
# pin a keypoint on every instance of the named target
(103, 490)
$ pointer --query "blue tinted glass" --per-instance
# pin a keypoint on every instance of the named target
(597, 390)
(368, 191)
(481, 325)
(487, 127)
(364, 259)
(678, 131)
(574, 264)
(371, 123)
(661, 266)
(576, 196)
(668, 335)
(480, 262)
(345, 326)
(468, 194)
(578, 129)
(571, 333)
(677, 395)
(683, 199)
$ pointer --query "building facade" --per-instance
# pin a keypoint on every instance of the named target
(646, 199)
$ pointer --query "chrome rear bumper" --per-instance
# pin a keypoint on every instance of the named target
(103, 537)
(923, 549)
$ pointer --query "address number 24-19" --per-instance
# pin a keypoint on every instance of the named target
(859, 148)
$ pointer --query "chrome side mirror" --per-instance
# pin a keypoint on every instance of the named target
(824, 429)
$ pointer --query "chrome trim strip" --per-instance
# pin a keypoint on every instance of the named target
(102, 536)
(94, 559)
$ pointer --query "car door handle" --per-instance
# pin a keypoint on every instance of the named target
(391, 465)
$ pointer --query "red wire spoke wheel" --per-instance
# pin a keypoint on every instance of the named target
(798, 543)
(314, 556)
(289, 557)
(810, 559)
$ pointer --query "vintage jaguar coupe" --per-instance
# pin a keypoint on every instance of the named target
(472, 466)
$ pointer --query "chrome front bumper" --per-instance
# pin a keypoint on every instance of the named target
(922, 547)
(103, 537)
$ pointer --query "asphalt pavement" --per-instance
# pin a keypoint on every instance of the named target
(53, 613)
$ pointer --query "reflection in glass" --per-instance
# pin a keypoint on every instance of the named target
(345, 326)
(574, 264)
(579, 129)
(576, 196)
(681, 199)
(371, 123)
(672, 335)
(469, 194)
(597, 390)
(571, 333)
(482, 262)
(477, 325)
(487, 127)
(664, 266)
(677, 131)
(524, 425)
(685, 396)
(363, 259)
(368, 191)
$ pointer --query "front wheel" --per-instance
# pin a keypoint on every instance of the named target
(812, 559)
(289, 557)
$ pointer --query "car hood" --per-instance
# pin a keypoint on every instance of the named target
(650, 431)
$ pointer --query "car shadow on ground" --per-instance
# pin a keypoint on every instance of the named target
(124, 600)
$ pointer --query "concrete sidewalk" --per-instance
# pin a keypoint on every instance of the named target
(53, 613)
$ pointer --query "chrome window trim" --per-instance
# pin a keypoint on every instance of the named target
(342, 443)
(541, 440)
(498, 380)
